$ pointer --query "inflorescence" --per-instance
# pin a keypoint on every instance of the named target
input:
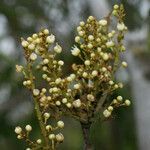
(85, 92)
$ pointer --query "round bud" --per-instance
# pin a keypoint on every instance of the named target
(103, 22)
(60, 62)
(106, 113)
(46, 115)
(124, 64)
(87, 62)
(77, 103)
(64, 100)
(24, 43)
(31, 46)
(119, 98)
(59, 137)
(90, 37)
(68, 105)
(51, 136)
(33, 56)
(28, 128)
(45, 61)
(18, 130)
(36, 92)
(39, 141)
(46, 31)
(50, 39)
(94, 73)
(110, 108)
(58, 103)
(76, 86)
(60, 124)
(127, 102)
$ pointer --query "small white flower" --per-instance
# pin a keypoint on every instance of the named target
(90, 37)
(73, 76)
(28, 128)
(68, 105)
(46, 115)
(58, 81)
(50, 39)
(60, 124)
(110, 108)
(18, 130)
(103, 22)
(75, 51)
(33, 56)
(39, 141)
(24, 43)
(85, 74)
(124, 64)
(60, 62)
(51, 136)
(90, 97)
(19, 68)
(106, 113)
(105, 56)
(127, 102)
(46, 31)
(77, 103)
(58, 48)
(59, 137)
(121, 26)
(36, 92)
(82, 23)
(110, 44)
(111, 82)
(64, 100)
(45, 61)
(77, 86)
(31, 46)
(77, 39)
(58, 103)
(87, 62)
(119, 98)
(94, 73)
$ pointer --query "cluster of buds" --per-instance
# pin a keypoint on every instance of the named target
(114, 104)
(83, 93)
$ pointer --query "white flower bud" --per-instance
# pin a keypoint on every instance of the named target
(46, 31)
(127, 102)
(45, 61)
(58, 48)
(50, 39)
(58, 81)
(28, 148)
(94, 73)
(75, 51)
(64, 100)
(110, 44)
(24, 43)
(87, 62)
(81, 33)
(39, 141)
(124, 64)
(82, 23)
(77, 39)
(58, 103)
(46, 115)
(31, 46)
(51, 136)
(68, 105)
(19, 68)
(121, 26)
(105, 56)
(59, 137)
(77, 86)
(91, 18)
(110, 108)
(111, 82)
(116, 6)
(18, 130)
(85, 74)
(36, 92)
(73, 76)
(33, 56)
(119, 98)
(90, 37)
(28, 128)
(103, 22)
(90, 97)
(60, 62)
(60, 124)
(106, 113)
(77, 103)
(90, 45)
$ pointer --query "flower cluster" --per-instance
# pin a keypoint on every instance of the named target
(85, 92)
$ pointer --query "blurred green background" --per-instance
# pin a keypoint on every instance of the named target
(21, 18)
